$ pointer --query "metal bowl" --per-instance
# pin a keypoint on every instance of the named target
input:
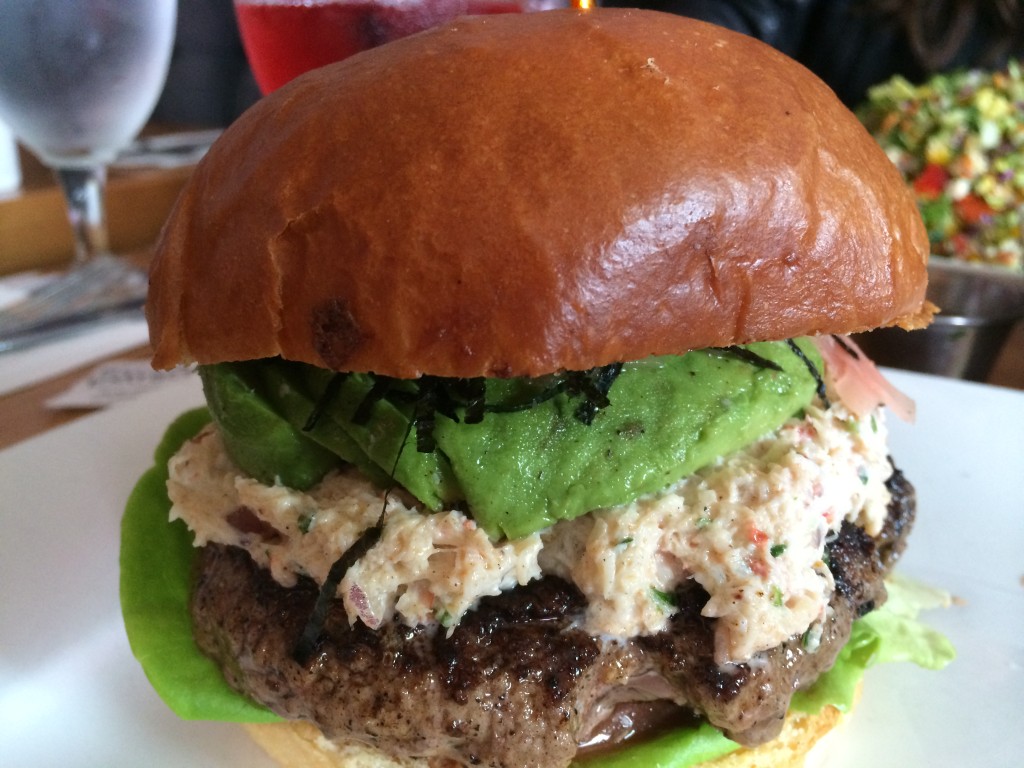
(979, 307)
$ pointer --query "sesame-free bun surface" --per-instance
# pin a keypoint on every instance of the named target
(521, 194)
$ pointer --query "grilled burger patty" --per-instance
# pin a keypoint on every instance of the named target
(515, 683)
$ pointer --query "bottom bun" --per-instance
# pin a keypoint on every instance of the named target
(799, 736)
(299, 744)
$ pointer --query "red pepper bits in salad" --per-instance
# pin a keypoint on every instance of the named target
(958, 139)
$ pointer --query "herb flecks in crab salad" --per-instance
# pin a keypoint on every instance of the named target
(723, 466)
(959, 141)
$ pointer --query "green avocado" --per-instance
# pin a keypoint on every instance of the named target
(256, 436)
(516, 472)
(668, 417)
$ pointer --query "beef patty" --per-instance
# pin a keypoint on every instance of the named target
(516, 682)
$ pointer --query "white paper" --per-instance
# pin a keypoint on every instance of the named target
(26, 367)
(115, 382)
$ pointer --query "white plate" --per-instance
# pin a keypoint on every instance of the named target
(72, 695)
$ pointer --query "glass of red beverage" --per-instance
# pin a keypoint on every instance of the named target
(284, 38)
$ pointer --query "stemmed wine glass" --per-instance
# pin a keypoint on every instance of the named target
(78, 80)
(284, 38)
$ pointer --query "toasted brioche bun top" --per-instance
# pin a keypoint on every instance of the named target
(522, 194)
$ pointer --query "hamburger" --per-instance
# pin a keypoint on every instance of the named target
(533, 437)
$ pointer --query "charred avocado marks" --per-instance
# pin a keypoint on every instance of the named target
(522, 470)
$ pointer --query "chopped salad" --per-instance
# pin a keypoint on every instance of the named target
(959, 140)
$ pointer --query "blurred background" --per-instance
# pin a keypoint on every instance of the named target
(901, 64)
(209, 82)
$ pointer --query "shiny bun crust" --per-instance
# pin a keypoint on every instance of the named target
(521, 194)
(299, 744)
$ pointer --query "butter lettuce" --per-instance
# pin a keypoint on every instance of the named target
(156, 563)
(889, 634)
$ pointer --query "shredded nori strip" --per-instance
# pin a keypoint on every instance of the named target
(813, 370)
(846, 347)
(381, 389)
(472, 394)
(432, 399)
(594, 385)
(750, 357)
(310, 637)
(324, 401)
(432, 395)
(542, 396)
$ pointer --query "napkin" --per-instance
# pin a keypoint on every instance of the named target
(26, 367)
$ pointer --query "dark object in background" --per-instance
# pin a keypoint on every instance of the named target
(979, 307)
(854, 44)
(209, 82)
(850, 44)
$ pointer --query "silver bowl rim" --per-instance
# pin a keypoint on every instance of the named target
(988, 273)
(1003, 275)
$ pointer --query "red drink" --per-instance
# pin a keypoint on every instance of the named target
(284, 38)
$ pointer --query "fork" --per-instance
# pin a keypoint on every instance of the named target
(100, 289)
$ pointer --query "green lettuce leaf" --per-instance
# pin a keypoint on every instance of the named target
(901, 636)
(156, 563)
(889, 634)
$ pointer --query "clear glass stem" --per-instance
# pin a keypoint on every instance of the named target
(84, 190)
